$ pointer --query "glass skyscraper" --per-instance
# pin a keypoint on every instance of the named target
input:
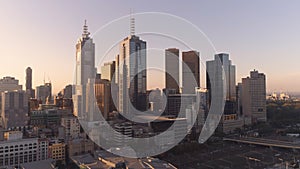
(132, 72)
(215, 74)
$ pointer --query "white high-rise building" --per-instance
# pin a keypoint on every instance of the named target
(85, 75)
(132, 74)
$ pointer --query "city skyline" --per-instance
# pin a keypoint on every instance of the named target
(160, 84)
(251, 45)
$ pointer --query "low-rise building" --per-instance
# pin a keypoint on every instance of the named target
(57, 151)
(20, 151)
(80, 146)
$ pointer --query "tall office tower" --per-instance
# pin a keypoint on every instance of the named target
(214, 68)
(9, 84)
(28, 78)
(14, 109)
(221, 87)
(190, 72)
(132, 74)
(254, 96)
(44, 92)
(83, 90)
(104, 97)
(108, 71)
(29, 89)
(85, 58)
(172, 69)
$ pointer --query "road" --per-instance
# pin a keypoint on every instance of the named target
(264, 142)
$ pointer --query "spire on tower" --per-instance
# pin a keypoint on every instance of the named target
(132, 23)
(85, 33)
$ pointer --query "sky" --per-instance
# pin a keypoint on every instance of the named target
(261, 35)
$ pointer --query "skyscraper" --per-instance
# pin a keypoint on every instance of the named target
(85, 58)
(172, 69)
(215, 73)
(221, 86)
(29, 89)
(132, 74)
(83, 90)
(190, 72)
(28, 78)
(14, 109)
(254, 96)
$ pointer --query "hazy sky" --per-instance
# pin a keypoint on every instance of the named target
(262, 35)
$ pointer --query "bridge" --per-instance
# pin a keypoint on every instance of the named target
(265, 142)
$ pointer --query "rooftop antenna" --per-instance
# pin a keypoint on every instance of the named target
(85, 33)
(44, 78)
(132, 23)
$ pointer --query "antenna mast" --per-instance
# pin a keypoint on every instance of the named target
(44, 78)
(86, 33)
(132, 24)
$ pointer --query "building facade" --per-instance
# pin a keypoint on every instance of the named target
(85, 76)
(190, 71)
(57, 151)
(104, 97)
(254, 96)
(14, 109)
(172, 69)
(71, 126)
(108, 71)
(9, 84)
(80, 146)
(221, 84)
(123, 134)
(45, 118)
(215, 74)
(28, 84)
(44, 92)
(20, 151)
(132, 71)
